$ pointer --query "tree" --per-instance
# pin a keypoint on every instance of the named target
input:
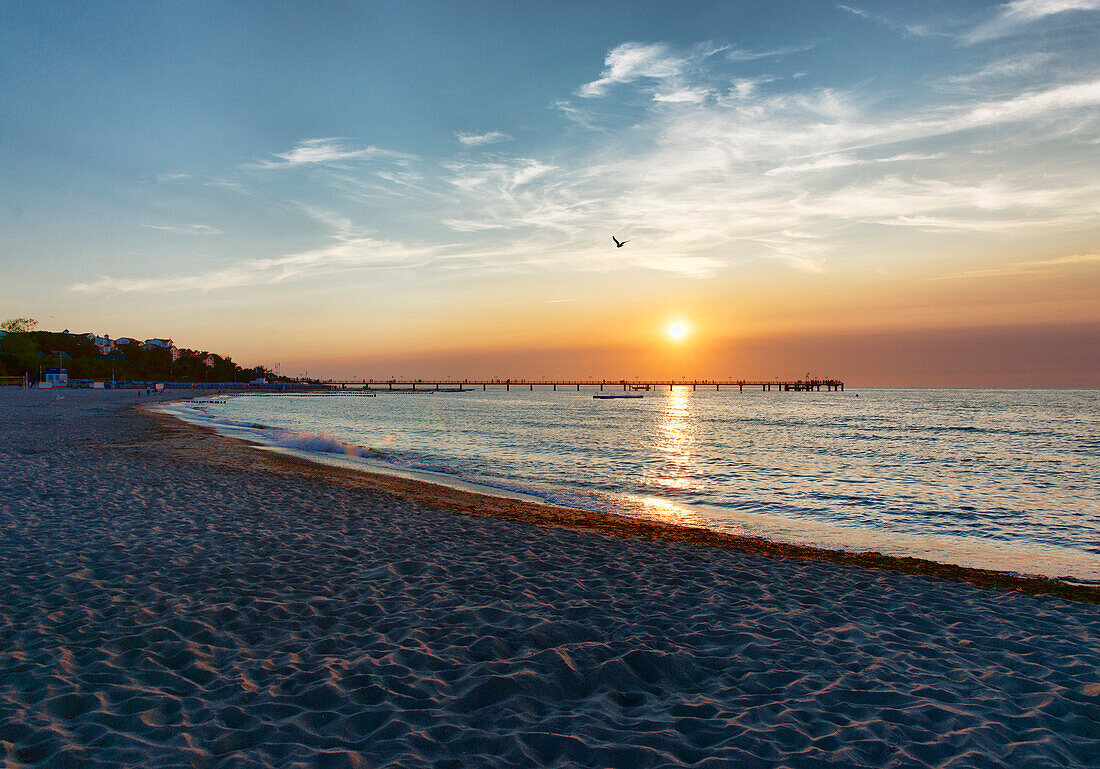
(18, 345)
(18, 354)
(19, 325)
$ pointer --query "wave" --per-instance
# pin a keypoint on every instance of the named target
(323, 442)
(303, 441)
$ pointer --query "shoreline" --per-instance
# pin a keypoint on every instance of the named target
(487, 504)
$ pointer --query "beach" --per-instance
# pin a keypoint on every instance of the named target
(174, 598)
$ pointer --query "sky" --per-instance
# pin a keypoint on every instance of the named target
(886, 193)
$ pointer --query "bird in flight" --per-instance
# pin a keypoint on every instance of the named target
(618, 243)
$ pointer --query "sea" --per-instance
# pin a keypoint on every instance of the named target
(997, 479)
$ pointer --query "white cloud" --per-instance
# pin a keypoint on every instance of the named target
(684, 96)
(711, 169)
(1033, 266)
(509, 194)
(347, 247)
(1015, 16)
(190, 229)
(739, 54)
(829, 162)
(687, 266)
(230, 185)
(477, 140)
(1009, 18)
(1016, 67)
(908, 27)
(633, 61)
(1027, 106)
(824, 163)
(324, 152)
(471, 225)
(856, 11)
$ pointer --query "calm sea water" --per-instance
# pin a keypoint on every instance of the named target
(1004, 479)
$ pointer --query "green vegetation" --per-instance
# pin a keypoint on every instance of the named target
(19, 325)
(26, 351)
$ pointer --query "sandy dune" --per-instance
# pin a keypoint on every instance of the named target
(171, 599)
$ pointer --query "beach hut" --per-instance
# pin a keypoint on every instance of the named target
(56, 377)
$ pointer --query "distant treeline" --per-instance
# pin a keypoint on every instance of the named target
(29, 352)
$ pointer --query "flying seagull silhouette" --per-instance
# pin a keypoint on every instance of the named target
(619, 244)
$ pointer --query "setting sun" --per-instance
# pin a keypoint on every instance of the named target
(677, 330)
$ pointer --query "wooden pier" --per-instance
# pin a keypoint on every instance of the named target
(463, 385)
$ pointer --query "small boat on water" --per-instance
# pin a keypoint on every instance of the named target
(610, 396)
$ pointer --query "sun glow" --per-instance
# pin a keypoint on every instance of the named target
(677, 330)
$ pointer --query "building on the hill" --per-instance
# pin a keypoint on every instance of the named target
(102, 343)
(165, 344)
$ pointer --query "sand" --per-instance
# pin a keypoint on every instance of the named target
(172, 598)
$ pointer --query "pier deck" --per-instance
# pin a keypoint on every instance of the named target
(455, 385)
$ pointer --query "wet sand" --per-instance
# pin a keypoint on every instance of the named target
(174, 598)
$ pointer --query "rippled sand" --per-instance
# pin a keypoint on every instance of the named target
(171, 598)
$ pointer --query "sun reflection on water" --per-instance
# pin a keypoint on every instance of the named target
(676, 441)
(667, 511)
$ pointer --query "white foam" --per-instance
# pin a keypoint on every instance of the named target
(323, 448)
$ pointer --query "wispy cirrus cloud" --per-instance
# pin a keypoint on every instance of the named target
(1013, 17)
(684, 96)
(1028, 267)
(1002, 69)
(513, 194)
(829, 162)
(629, 62)
(705, 168)
(189, 229)
(346, 247)
(312, 152)
(479, 140)
(742, 54)
(907, 26)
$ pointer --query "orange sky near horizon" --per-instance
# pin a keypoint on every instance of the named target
(780, 325)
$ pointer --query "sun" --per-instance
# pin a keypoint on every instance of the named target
(677, 330)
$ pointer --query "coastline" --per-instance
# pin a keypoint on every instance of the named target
(176, 599)
(501, 505)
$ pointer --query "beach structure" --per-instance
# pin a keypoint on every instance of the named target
(56, 377)
(454, 385)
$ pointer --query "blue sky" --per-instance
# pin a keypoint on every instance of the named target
(253, 177)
